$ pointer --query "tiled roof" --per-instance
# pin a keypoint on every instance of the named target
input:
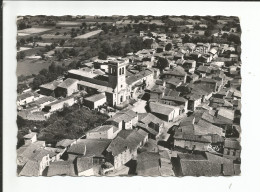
(65, 143)
(191, 137)
(103, 128)
(31, 169)
(51, 86)
(231, 143)
(148, 164)
(161, 108)
(77, 149)
(67, 83)
(125, 139)
(61, 168)
(95, 98)
(84, 163)
(95, 147)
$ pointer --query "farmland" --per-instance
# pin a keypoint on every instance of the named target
(89, 34)
(30, 31)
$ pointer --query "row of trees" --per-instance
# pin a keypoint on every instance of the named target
(52, 73)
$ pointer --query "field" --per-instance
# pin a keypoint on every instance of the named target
(68, 23)
(30, 31)
(89, 34)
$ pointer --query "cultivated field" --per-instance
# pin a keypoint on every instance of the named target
(89, 34)
(30, 31)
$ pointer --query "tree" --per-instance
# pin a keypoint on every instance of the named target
(207, 33)
(162, 63)
(136, 44)
(106, 47)
(168, 47)
(127, 48)
(102, 55)
(147, 43)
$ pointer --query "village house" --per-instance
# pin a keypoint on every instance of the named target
(124, 147)
(30, 138)
(176, 101)
(49, 88)
(59, 104)
(189, 66)
(66, 88)
(194, 100)
(96, 149)
(232, 149)
(103, 132)
(27, 97)
(42, 102)
(85, 166)
(191, 142)
(95, 101)
(165, 112)
(177, 72)
(150, 124)
(61, 168)
(76, 150)
(124, 119)
(65, 143)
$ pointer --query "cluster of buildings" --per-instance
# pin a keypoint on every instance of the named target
(191, 126)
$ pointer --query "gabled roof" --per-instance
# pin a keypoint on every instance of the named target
(103, 128)
(161, 108)
(51, 86)
(124, 115)
(61, 168)
(126, 139)
(95, 98)
(148, 164)
(77, 149)
(67, 83)
(191, 137)
(147, 118)
(65, 143)
(31, 169)
(95, 147)
(27, 95)
(232, 143)
(227, 113)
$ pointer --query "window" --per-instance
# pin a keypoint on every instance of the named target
(120, 71)
(123, 70)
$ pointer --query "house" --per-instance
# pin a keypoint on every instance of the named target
(103, 132)
(49, 88)
(42, 102)
(176, 101)
(61, 168)
(26, 98)
(66, 88)
(26, 152)
(85, 166)
(226, 114)
(65, 143)
(150, 124)
(165, 112)
(203, 71)
(37, 162)
(95, 101)
(59, 104)
(148, 164)
(30, 138)
(76, 150)
(124, 119)
(191, 142)
(173, 82)
(232, 149)
(96, 149)
(124, 147)
(209, 83)
(189, 66)
(177, 72)
(204, 165)
(194, 100)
